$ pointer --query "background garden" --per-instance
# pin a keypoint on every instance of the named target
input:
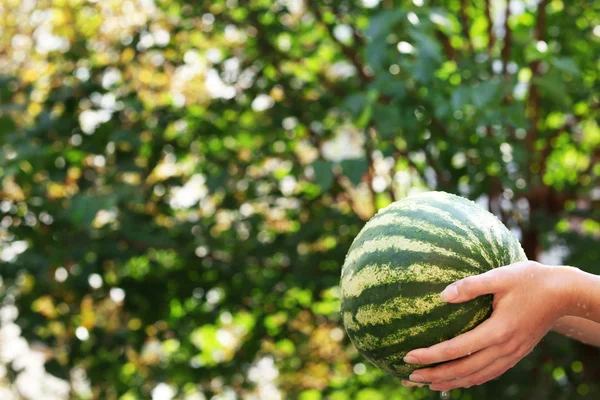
(180, 182)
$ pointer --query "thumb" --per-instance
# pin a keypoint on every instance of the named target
(471, 287)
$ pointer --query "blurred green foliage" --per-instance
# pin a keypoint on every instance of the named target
(180, 181)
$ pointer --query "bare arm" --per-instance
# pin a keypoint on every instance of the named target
(581, 329)
(582, 321)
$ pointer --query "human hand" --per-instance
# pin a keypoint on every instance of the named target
(528, 299)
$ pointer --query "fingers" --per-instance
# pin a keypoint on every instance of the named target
(485, 335)
(459, 368)
(412, 384)
(494, 370)
(473, 286)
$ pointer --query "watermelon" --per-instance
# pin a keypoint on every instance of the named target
(399, 263)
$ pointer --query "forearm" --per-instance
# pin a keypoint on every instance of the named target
(582, 293)
(581, 329)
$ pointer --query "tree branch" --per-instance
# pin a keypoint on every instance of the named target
(490, 46)
(343, 184)
(272, 52)
(369, 137)
(464, 22)
(490, 26)
(439, 126)
(443, 130)
(545, 153)
(505, 52)
(358, 40)
(494, 192)
(595, 160)
(442, 181)
(448, 49)
(534, 95)
(349, 52)
(411, 163)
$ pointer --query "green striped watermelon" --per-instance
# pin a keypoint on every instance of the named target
(400, 262)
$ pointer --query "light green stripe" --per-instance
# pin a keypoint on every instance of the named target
(394, 220)
(399, 369)
(401, 243)
(412, 204)
(398, 307)
(522, 255)
(516, 251)
(371, 342)
(474, 321)
(349, 322)
(482, 219)
(512, 248)
(354, 283)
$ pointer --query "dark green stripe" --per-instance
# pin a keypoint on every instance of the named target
(382, 293)
(511, 242)
(518, 249)
(435, 220)
(464, 219)
(387, 328)
(446, 330)
(442, 241)
(404, 258)
(507, 242)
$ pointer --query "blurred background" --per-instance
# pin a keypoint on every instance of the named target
(180, 182)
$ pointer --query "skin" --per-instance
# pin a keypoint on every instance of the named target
(530, 299)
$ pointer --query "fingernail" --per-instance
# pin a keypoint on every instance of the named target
(416, 378)
(411, 360)
(450, 293)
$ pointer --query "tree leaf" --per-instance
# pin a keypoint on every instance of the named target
(387, 120)
(323, 174)
(565, 64)
(379, 28)
(382, 23)
(460, 97)
(355, 168)
(515, 116)
(6, 125)
(375, 54)
(484, 93)
(365, 117)
(388, 85)
(553, 87)
(428, 46)
(84, 207)
(355, 103)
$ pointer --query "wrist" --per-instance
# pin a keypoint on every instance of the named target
(570, 283)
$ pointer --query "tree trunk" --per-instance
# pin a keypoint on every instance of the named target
(530, 242)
